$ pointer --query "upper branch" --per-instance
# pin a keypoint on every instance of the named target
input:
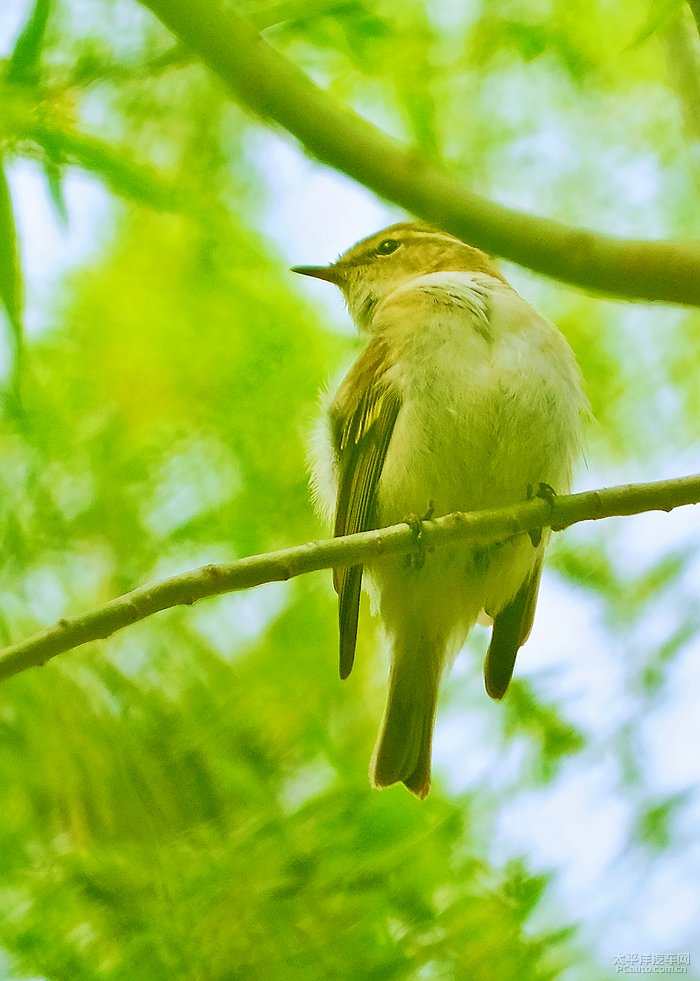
(479, 527)
(272, 87)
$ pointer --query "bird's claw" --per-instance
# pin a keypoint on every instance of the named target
(416, 560)
(546, 493)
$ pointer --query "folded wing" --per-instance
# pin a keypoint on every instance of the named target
(363, 416)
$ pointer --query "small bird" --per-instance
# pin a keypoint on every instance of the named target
(463, 398)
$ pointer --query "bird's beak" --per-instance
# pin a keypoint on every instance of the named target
(331, 274)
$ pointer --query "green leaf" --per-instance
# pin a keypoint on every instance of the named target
(554, 737)
(10, 271)
(124, 176)
(654, 824)
(54, 180)
(23, 66)
(660, 16)
(54, 168)
(656, 670)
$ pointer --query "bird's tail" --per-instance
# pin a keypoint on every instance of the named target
(403, 748)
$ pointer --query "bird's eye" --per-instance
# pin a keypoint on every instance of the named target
(388, 246)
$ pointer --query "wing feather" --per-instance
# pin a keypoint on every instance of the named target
(364, 413)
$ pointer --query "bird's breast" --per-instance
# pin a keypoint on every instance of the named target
(490, 405)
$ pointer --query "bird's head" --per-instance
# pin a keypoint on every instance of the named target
(376, 266)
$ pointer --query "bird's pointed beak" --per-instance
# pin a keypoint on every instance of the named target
(331, 274)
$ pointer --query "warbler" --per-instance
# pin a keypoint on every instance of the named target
(463, 398)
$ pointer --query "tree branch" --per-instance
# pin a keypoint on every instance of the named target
(478, 527)
(271, 87)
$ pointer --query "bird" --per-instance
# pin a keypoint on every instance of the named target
(463, 398)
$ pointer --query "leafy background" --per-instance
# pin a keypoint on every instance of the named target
(189, 799)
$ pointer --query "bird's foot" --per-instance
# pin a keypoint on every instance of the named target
(546, 493)
(416, 560)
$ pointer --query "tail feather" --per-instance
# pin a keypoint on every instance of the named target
(404, 744)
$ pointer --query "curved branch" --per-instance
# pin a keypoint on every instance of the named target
(479, 527)
(273, 88)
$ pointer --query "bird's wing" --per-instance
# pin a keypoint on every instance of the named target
(363, 415)
(511, 628)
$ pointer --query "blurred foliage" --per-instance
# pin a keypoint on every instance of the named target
(190, 798)
(10, 272)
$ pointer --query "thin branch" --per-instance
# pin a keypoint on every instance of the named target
(479, 527)
(273, 88)
(93, 71)
(289, 11)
